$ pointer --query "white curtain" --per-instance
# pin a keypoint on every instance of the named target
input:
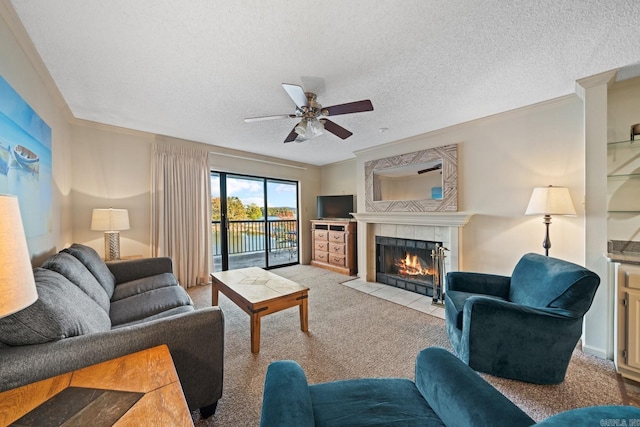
(180, 211)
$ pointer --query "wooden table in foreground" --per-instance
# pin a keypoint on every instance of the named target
(140, 389)
(259, 292)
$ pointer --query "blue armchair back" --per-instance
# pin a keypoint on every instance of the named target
(544, 282)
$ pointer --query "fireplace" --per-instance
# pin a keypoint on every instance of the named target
(414, 265)
(445, 227)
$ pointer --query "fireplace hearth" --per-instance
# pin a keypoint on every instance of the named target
(413, 265)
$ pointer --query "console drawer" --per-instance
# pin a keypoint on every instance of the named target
(321, 246)
(321, 234)
(321, 256)
(336, 236)
(337, 248)
(336, 260)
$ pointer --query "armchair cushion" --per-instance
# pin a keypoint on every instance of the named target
(379, 401)
(595, 415)
(479, 283)
(455, 302)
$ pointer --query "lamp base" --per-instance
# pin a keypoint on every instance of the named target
(546, 244)
(111, 245)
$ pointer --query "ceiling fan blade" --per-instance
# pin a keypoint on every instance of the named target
(336, 129)
(260, 119)
(296, 93)
(434, 168)
(292, 136)
(350, 107)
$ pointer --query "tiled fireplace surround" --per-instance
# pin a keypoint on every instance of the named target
(442, 227)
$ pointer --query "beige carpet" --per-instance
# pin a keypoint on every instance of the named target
(353, 335)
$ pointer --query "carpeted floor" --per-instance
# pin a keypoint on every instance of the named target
(354, 335)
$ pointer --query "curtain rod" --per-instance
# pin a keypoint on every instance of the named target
(258, 160)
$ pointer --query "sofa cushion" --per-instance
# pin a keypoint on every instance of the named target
(138, 286)
(146, 304)
(62, 310)
(168, 313)
(96, 265)
(371, 401)
(71, 268)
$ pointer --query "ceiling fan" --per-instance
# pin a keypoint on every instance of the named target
(313, 115)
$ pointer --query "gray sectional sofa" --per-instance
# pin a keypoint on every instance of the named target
(89, 311)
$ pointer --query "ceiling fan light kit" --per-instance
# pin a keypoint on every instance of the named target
(312, 115)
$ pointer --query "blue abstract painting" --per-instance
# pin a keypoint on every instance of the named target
(25, 161)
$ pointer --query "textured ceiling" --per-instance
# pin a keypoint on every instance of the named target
(195, 69)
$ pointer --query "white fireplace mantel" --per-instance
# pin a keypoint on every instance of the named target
(436, 219)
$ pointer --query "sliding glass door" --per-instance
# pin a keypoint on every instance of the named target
(254, 221)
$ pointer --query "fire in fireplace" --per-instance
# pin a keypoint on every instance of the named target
(414, 265)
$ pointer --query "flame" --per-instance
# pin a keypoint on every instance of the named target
(410, 266)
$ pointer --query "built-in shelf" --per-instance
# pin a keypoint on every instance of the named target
(625, 176)
(623, 143)
(623, 182)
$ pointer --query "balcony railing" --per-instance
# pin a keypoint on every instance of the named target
(249, 236)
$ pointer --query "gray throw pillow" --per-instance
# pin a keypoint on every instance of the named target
(62, 310)
(96, 265)
(71, 268)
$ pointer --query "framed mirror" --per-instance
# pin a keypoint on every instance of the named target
(423, 181)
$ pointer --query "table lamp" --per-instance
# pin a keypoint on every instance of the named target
(549, 201)
(111, 221)
(17, 285)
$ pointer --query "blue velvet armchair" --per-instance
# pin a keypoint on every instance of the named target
(523, 327)
(446, 392)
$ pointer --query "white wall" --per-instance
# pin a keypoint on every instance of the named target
(111, 169)
(338, 178)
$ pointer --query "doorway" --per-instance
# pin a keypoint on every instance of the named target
(254, 221)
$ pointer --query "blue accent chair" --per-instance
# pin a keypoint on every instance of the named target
(446, 392)
(523, 327)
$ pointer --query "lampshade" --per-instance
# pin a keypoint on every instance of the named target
(550, 201)
(17, 285)
(110, 219)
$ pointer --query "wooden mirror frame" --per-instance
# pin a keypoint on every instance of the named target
(449, 201)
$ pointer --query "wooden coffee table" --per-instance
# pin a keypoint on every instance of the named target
(259, 292)
(138, 389)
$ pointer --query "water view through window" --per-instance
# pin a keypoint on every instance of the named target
(254, 221)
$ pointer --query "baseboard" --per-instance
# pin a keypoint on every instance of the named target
(597, 352)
